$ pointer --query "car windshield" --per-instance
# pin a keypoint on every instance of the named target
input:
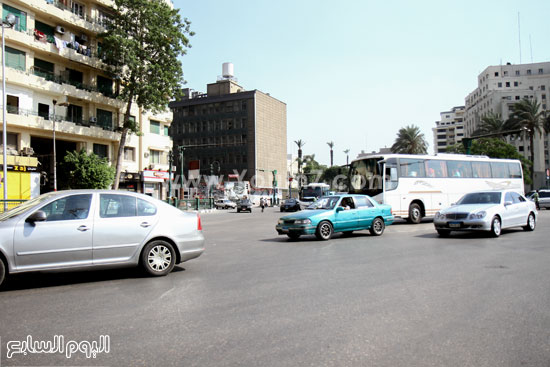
(23, 207)
(290, 201)
(481, 198)
(324, 203)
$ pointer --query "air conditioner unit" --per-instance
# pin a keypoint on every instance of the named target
(59, 29)
(83, 37)
(27, 151)
(146, 154)
(93, 120)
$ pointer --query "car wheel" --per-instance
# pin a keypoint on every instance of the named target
(158, 258)
(531, 223)
(324, 230)
(2, 272)
(415, 214)
(496, 227)
(443, 233)
(293, 236)
(282, 210)
(377, 227)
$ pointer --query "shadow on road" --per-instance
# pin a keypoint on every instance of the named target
(35, 280)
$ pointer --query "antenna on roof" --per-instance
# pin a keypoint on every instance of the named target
(531, 47)
(519, 38)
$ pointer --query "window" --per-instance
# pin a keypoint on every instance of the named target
(528, 71)
(105, 86)
(516, 84)
(44, 111)
(77, 9)
(74, 113)
(515, 170)
(166, 130)
(11, 142)
(100, 150)
(500, 170)
(436, 168)
(68, 208)
(154, 156)
(104, 119)
(481, 169)
(43, 69)
(116, 206)
(517, 73)
(460, 169)
(496, 73)
(500, 85)
(145, 208)
(542, 87)
(507, 84)
(129, 154)
(541, 71)
(20, 17)
(15, 59)
(411, 167)
(154, 127)
(363, 202)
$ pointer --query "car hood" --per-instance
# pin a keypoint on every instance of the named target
(468, 208)
(307, 214)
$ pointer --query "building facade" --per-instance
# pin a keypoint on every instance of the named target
(56, 79)
(233, 134)
(449, 130)
(499, 88)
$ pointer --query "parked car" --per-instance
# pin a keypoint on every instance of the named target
(78, 229)
(290, 205)
(544, 198)
(339, 213)
(244, 205)
(225, 204)
(487, 211)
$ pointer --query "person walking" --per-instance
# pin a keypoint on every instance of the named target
(262, 204)
(536, 199)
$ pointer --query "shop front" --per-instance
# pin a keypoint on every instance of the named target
(155, 183)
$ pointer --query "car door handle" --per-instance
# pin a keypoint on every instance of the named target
(83, 228)
(145, 224)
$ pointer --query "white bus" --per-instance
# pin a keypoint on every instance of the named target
(418, 186)
(313, 191)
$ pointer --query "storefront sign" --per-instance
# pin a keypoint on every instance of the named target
(18, 168)
(155, 176)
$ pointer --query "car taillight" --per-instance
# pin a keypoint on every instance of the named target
(199, 224)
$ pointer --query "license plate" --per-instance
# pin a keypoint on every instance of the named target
(455, 224)
(285, 228)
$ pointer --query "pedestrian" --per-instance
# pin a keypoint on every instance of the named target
(536, 199)
(262, 204)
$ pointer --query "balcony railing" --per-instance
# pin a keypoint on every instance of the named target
(77, 120)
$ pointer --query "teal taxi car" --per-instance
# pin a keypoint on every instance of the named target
(338, 213)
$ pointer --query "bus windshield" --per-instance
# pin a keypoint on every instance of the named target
(365, 176)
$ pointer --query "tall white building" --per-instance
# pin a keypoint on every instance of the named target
(449, 130)
(53, 71)
(499, 88)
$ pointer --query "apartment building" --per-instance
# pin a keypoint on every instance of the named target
(449, 130)
(237, 132)
(499, 88)
(55, 78)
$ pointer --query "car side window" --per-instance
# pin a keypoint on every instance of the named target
(116, 206)
(509, 198)
(348, 202)
(363, 202)
(517, 197)
(68, 208)
(145, 208)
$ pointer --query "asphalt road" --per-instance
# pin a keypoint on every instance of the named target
(407, 298)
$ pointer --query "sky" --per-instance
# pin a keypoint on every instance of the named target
(355, 72)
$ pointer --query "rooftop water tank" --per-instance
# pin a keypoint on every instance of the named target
(227, 70)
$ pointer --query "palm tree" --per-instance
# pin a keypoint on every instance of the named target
(410, 141)
(492, 123)
(300, 144)
(529, 116)
(347, 156)
(331, 145)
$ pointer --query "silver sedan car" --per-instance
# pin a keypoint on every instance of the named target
(487, 211)
(79, 229)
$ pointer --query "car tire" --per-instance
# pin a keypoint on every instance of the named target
(377, 227)
(443, 233)
(158, 258)
(324, 230)
(2, 272)
(531, 223)
(415, 214)
(293, 236)
(496, 227)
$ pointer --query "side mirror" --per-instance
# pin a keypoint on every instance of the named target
(37, 216)
(453, 204)
(507, 203)
(339, 209)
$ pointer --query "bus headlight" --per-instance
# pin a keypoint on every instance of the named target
(478, 215)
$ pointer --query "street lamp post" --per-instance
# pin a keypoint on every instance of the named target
(6, 23)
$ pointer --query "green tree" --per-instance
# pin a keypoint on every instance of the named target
(410, 141)
(336, 177)
(528, 114)
(82, 171)
(496, 148)
(141, 47)
(313, 169)
(492, 123)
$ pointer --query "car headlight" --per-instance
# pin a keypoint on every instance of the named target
(281, 221)
(302, 221)
(439, 216)
(478, 215)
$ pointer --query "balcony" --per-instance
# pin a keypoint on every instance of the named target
(73, 126)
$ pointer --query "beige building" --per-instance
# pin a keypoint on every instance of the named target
(53, 72)
(499, 88)
(449, 130)
(231, 131)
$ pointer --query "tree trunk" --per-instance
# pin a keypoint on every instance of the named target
(331, 158)
(531, 142)
(123, 137)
